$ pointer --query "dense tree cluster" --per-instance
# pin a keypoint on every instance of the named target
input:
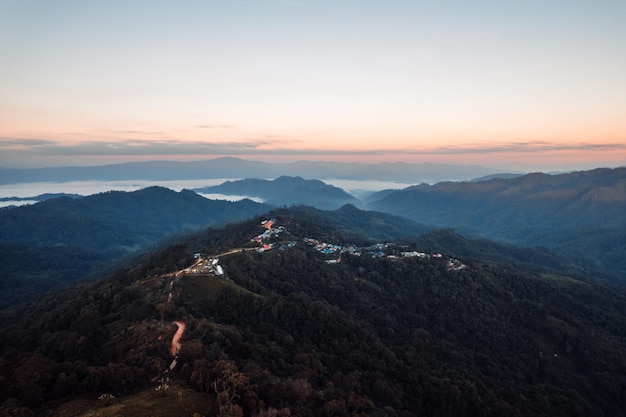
(290, 335)
(28, 271)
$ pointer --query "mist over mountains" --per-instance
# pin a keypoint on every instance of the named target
(578, 220)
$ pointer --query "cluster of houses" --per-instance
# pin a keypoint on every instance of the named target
(283, 246)
(379, 250)
(205, 266)
(323, 247)
(270, 231)
(455, 265)
(415, 254)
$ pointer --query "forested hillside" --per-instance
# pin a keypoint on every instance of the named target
(117, 222)
(63, 240)
(314, 319)
(580, 215)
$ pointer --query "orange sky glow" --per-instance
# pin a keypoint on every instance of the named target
(526, 86)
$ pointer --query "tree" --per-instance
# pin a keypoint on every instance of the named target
(227, 379)
(33, 376)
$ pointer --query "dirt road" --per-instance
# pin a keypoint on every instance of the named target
(175, 347)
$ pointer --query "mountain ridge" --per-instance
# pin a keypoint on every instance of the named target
(532, 210)
(230, 167)
(56, 235)
(578, 217)
(285, 190)
(290, 334)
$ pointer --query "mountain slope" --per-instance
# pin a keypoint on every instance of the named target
(286, 191)
(535, 209)
(594, 198)
(62, 240)
(285, 332)
(115, 222)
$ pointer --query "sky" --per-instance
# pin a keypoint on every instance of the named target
(517, 85)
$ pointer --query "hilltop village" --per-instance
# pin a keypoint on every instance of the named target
(276, 237)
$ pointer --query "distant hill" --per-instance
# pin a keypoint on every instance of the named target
(504, 176)
(285, 332)
(115, 223)
(229, 167)
(558, 211)
(286, 191)
(63, 239)
(41, 197)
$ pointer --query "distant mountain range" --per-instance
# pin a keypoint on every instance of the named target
(566, 212)
(579, 218)
(588, 198)
(41, 197)
(504, 176)
(286, 191)
(229, 167)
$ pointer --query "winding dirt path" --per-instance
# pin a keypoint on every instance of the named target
(175, 347)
